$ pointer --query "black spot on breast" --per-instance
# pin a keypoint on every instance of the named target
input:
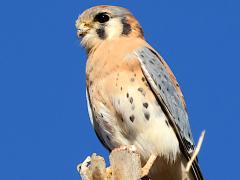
(131, 100)
(101, 33)
(147, 115)
(132, 118)
(143, 79)
(127, 95)
(121, 88)
(141, 90)
(121, 118)
(145, 105)
(91, 82)
(126, 27)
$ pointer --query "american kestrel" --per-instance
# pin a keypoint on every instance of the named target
(133, 96)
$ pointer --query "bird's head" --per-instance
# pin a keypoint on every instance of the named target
(101, 23)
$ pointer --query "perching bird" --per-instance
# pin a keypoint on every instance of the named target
(133, 96)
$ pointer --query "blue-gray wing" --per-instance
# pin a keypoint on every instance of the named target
(159, 76)
(165, 86)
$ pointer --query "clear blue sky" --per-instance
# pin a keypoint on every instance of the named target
(44, 127)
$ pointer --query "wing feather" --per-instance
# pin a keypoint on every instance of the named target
(165, 86)
(94, 122)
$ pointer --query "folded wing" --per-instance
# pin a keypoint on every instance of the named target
(170, 98)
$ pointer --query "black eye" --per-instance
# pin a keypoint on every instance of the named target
(101, 17)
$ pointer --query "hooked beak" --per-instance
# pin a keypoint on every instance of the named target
(82, 29)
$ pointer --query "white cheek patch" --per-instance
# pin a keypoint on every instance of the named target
(90, 39)
(114, 28)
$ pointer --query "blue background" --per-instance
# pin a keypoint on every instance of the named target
(44, 127)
